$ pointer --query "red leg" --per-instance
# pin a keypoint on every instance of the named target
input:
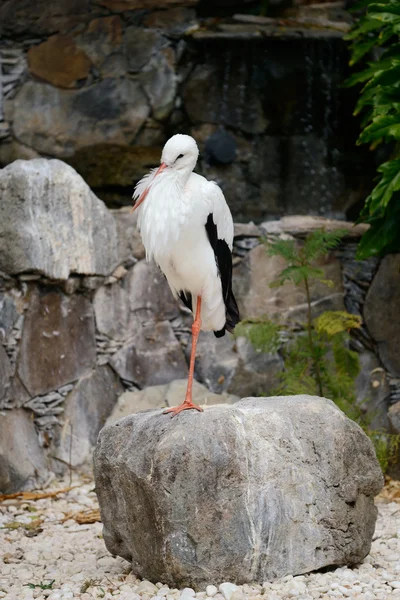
(188, 402)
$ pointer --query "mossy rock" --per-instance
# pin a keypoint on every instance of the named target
(104, 165)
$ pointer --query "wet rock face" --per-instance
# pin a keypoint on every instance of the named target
(51, 222)
(58, 342)
(167, 496)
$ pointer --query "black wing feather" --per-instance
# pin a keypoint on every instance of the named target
(223, 258)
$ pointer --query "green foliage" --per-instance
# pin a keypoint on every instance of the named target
(262, 333)
(41, 586)
(379, 101)
(300, 258)
(318, 360)
(332, 322)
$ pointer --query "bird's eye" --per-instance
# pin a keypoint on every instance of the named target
(180, 156)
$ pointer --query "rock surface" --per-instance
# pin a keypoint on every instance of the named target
(87, 407)
(58, 122)
(59, 61)
(381, 312)
(58, 342)
(73, 557)
(256, 297)
(22, 464)
(152, 356)
(51, 222)
(193, 499)
(163, 396)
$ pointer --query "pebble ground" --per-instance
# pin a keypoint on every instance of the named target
(46, 554)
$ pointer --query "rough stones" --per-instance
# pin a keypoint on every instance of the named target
(87, 407)
(193, 499)
(149, 292)
(58, 341)
(59, 61)
(257, 299)
(381, 312)
(394, 417)
(5, 373)
(50, 222)
(163, 396)
(152, 356)
(58, 122)
(301, 225)
(22, 464)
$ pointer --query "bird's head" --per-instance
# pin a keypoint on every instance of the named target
(179, 156)
(180, 153)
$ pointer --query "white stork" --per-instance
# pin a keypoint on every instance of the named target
(187, 228)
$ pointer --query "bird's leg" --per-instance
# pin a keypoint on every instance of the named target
(188, 402)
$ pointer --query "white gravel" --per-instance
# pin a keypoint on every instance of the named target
(74, 556)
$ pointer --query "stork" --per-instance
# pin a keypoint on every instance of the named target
(187, 228)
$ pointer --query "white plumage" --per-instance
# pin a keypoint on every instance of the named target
(172, 225)
(187, 228)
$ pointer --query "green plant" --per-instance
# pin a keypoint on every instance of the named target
(379, 101)
(262, 333)
(41, 586)
(317, 360)
(301, 270)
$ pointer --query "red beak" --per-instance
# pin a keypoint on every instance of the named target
(146, 191)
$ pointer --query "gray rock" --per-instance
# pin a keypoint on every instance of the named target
(58, 342)
(149, 292)
(5, 374)
(8, 316)
(193, 499)
(300, 225)
(163, 396)
(140, 45)
(160, 83)
(22, 463)
(256, 297)
(86, 410)
(51, 222)
(58, 122)
(152, 356)
(111, 309)
(129, 240)
(381, 312)
(216, 361)
(394, 417)
(373, 391)
(257, 372)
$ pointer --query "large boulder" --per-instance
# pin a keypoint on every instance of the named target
(246, 492)
(51, 223)
(59, 121)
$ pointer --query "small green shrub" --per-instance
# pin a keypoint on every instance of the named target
(318, 360)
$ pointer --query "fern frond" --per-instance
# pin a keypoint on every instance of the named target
(285, 248)
(332, 322)
(320, 242)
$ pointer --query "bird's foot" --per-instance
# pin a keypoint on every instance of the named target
(186, 405)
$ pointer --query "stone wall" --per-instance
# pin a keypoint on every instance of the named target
(103, 84)
(83, 317)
